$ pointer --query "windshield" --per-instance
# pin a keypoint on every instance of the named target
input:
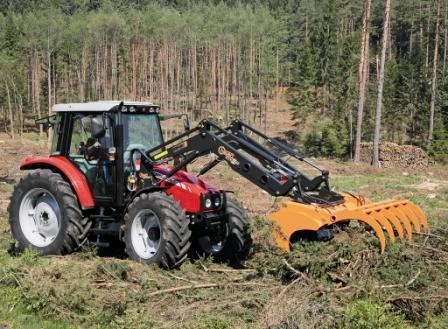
(141, 131)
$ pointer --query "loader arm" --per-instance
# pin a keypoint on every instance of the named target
(313, 209)
(260, 165)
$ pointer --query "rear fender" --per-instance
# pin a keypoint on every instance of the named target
(69, 171)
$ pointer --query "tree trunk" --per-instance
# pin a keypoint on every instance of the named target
(446, 38)
(50, 131)
(277, 79)
(363, 68)
(10, 112)
(260, 99)
(379, 101)
(18, 104)
(411, 38)
(36, 88)
(434, 79)
(251, 63)
(306, 21)
(427, 42)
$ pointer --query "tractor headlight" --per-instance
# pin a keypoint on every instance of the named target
(217, 201)
(208, 203)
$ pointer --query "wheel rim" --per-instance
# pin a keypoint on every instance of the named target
(217, 247)
(145, 233)
(39, 217)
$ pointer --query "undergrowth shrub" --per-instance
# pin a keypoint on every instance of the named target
(364, 314)
(328, 142)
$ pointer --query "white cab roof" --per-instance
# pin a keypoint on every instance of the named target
(100, 106)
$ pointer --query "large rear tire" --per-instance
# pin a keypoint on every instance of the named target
(238, 243)
(156, 230)
(44, 214)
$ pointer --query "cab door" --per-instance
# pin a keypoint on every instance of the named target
(91, 142)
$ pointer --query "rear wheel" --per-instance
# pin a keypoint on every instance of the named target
(44, 214)
(156, 230)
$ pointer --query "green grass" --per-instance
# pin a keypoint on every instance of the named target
(346, 283)
(6, 188)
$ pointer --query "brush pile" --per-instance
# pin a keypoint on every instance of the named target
(396, 156)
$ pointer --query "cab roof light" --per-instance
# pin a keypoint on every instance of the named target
(141, 109)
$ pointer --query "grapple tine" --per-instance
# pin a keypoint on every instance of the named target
(383, 221)
(348, 214)
(395, 222)
(407, 226)
(420, 214)
(411, 216)
(403, 216)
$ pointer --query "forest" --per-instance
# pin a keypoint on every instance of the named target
(227, 59)
(326, 76)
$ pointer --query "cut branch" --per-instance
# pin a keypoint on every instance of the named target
(203, 286)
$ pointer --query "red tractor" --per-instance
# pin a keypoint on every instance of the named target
(98, 182)
(109, 174)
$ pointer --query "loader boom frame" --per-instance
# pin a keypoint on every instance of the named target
(262, 166)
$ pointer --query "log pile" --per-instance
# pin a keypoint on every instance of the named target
(396, 156)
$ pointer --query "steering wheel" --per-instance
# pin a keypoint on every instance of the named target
(130, 148)
(127, 153)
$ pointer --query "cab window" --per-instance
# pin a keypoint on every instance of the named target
(91, 139)
(140, 131)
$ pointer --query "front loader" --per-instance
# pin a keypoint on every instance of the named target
(313, 208)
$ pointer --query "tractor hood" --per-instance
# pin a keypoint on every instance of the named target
(185, 177)
(186, 188)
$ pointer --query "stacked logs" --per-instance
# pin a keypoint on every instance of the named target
(392, 155)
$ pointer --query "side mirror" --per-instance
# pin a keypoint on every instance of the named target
(47, 122)
(186, 124)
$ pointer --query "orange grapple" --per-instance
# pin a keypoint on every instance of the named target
(390, 217)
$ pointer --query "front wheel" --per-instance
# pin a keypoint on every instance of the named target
(156, 230)
(236, 246)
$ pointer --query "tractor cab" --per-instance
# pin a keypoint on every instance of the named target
(98, 137)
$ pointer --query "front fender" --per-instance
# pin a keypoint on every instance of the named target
(70, 172)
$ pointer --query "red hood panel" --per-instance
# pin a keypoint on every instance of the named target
(185, 188)
(185, 177)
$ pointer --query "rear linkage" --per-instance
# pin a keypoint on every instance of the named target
(314, 207)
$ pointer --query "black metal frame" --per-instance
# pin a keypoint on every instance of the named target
(270, 172)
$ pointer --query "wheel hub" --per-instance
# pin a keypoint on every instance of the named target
(145, 233)
(215, 239)
(39, 217)
(154, 233)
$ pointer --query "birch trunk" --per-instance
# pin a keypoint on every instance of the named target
(363, 69)
(434, 79)
(10, 112)
(50, 131)
(379, 101)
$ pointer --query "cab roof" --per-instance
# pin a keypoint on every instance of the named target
(99, 106)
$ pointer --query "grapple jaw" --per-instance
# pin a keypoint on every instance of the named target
(385, 218)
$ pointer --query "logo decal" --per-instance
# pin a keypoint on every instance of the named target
(228, 155)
